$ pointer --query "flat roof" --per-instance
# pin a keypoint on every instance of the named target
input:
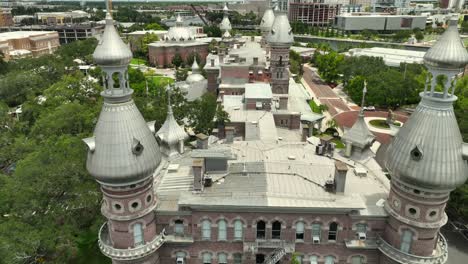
(258, 90)
(288, 176)
(22, 34)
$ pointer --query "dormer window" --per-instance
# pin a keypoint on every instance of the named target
(137, 147)
(416, 154)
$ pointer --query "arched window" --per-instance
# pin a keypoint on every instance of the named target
(180, 257)
(179, 227)
(138, 234)
(222, 258)
(329, 260)
(222, 232)
(276, 230)
(406, 240)
(261, 229)
(357, 260)
(206, 229)
(333, 231)
(237, 258)
(238, 230)
(316, 232)
(299, 259)
(313, 259)
(300, 230)
(206, 258)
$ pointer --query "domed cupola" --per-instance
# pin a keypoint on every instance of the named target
(225, 23)
(428, 151)
(448, 51)
(123, 149)
(111, 50)
(179, 32)
(267, 20)
(281, 32)
(196, 75)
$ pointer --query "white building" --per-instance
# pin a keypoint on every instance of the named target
(391, 57)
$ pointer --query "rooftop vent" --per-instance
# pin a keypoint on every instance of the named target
(330, 185)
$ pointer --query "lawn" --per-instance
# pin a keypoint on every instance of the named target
(162, 80)
(138, 61)
(380, 123)
(315, 108)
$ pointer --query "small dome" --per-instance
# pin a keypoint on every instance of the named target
(111, 50)
(267, 20)
(448, 51)
(281, 32)
(179, 32)
(195, 76)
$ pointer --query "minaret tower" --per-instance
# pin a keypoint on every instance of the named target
(266, 23)
(225, 25)
(426, 160)
(280, 40)
(359, 138)
(123, 156)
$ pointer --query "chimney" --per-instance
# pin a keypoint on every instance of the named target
(283, 101)
(255, 60)
(229, 130)
(202, 141)
(198, 174)
(341, 169)
(305, 132)
(212, 62)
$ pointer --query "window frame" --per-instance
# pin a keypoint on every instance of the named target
(222, 230)
(300, 235)
(206, 230)
(260, 231)
(238, 230)
(275, 232)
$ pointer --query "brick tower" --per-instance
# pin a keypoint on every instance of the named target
(427, 161)
(123, 155)
(280, 40)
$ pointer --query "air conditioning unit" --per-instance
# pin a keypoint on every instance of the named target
(361, 236)
(180, 260)
(316, 239)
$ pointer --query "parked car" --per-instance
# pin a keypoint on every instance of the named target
(369, 108)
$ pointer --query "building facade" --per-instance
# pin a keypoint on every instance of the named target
(6, 19)
(312, 13)
(270, 196)
(179, 40)
(20, 44)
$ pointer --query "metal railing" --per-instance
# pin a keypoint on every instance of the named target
(130, 253)
(440, 256)
(277, 255)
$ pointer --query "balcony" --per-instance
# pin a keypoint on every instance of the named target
(440, 255)
(369, 243)
(253, 247)
(108, 250)
(179, 239)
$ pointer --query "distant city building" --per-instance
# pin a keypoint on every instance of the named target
(6, 19)
(391, 57)
(379, 22)
(60, 18)
(67, 33)
(18, 19)
(180, 40)
(317, 14)
(19, 44)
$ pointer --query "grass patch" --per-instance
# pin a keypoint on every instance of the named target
(138, 61)
(316, 108)
(379, 123)
(339, 143)
(162, 80)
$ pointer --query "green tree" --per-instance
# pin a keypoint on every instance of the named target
(153, 26)
(181, 74)
(328, 65)
(294, 259)
(201, 116)
(177, 60)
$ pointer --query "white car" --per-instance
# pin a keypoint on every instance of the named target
(369, 108)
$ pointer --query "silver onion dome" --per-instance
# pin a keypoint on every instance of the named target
(225, 23)
(195, 76)
(267, 20)
(448, 51)
(111, 50)
(281, 32)
(179, 32)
